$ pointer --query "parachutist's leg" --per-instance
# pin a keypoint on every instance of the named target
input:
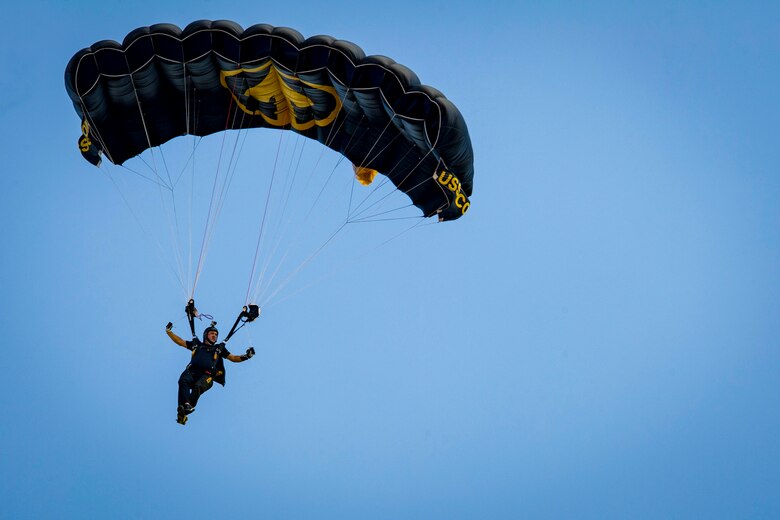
(201, 387)
(186, 383)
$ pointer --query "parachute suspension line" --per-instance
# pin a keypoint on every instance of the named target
(376, 141)
(333, 170)
(261, 235)
(386, 179)
(195, 143)
(357, 213)
(364, 161)
(373, 218)
(332, 135)
(160, 250)
(303, 264)
(201, 256)
(316, 253)
(234, 154)
(430, 150)
(379, 185)
(351, 195)
(419, 223)
(167, 171)
(171, 214)
(295, 239)
(210, 221)
(291, 175)
(172, 226)
(294, 171)
(143, 120)
(344, 265)
(188, 121)
(291, 242)
(142, 176)
(218, 199)
(400, 184)
(385, 147)
(270, 301)
(233, 161)
(328, 141)
(327, 182)
(186, 166)
(95, 131)
(191, 121)
(190, 200)
(222, 197)
(281, 232)
(365, 219)
(283, 225)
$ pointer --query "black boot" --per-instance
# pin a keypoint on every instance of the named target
(181, 417)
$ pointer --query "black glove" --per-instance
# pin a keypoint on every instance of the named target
(169, 326)
(249, 353)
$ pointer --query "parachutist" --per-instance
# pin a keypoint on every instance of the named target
(205, 367)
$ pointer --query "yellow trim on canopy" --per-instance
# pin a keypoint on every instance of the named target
(276, 88)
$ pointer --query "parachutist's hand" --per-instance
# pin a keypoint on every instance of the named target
(249, 353)
(169, 326)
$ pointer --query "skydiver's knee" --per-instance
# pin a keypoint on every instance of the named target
(204, 383)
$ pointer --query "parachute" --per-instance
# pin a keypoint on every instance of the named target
(162, 82)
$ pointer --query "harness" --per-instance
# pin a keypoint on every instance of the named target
(211, 371)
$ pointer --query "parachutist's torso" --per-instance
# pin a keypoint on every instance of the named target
(207, 359)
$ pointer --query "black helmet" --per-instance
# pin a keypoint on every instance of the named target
(209, 329)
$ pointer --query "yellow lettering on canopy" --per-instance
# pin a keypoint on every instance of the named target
(452, 183)
(85, 142)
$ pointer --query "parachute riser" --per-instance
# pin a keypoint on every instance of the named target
(191, 312)
(248, 314)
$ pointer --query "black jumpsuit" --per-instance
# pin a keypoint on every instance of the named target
(205, 367)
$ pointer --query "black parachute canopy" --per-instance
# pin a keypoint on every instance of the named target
(162, 82)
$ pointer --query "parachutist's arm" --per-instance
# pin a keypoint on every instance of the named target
(239, 359)
(176, 339)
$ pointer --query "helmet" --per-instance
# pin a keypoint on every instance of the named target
(209, 329)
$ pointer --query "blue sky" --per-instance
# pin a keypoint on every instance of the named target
(597, 338)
